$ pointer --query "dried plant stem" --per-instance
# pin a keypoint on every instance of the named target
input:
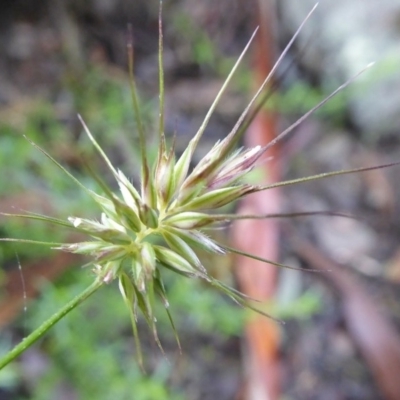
(41, 330)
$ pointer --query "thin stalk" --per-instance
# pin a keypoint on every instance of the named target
(53, 160)
(136, 110)
(97, 146)
(315, 108)
(264, 260)
(232, 217)
(231, 139)
(39, 332)
(161, 79)
(322, 176)
(210, 112)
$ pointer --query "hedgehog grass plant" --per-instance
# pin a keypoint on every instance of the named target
(159, 226)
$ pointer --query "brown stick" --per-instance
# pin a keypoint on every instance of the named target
(261, 237)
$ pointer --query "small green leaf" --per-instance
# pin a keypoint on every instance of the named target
(145, 301)
(197, 239)
(110, 271)
(175, 262)
(182, 167)
(160, 290)
(109, 253)
(188, 220)
(127, 215)
(219, 197)
(178, 245)
(148, 216)
(81, 247)
(164, 177)
(138, 275)
(148, 259)
(127, 290)
(106, 205)
(105, 230)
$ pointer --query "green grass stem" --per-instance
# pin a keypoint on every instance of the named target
(41, 330)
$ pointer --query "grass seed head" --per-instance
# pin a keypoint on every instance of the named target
(143, 231)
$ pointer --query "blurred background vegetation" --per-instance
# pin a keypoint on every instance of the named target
(61, 58)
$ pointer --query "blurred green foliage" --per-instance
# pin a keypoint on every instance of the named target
(204, 52)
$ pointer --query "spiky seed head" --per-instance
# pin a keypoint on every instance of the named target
(142, 232)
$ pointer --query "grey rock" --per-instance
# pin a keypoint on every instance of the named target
(341, 38)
